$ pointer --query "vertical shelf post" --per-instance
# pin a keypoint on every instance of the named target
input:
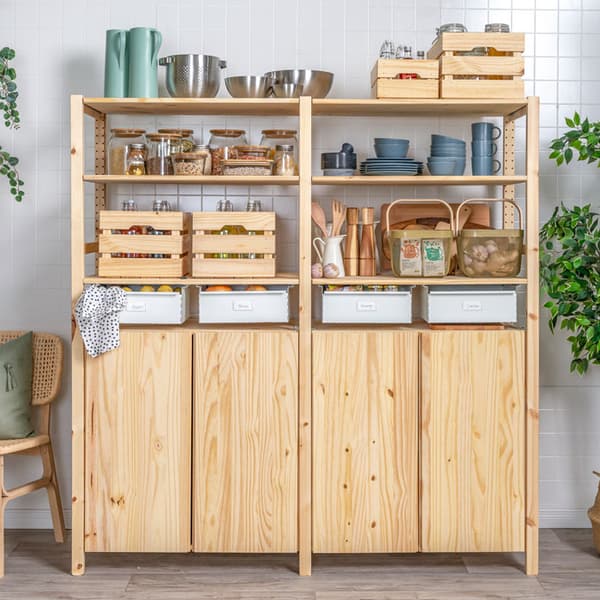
(305, 341)
(508, 164)
(77, 364)
(532, 355)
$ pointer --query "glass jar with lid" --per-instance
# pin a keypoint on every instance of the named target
(160, 148)
(222, 146)
(136, 159)
(117, 148)
(274, 137)
(284, 160)
(187, 139)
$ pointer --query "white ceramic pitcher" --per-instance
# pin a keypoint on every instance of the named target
(329, 251)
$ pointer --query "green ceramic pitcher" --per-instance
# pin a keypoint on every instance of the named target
(143, 44)
(115, 64)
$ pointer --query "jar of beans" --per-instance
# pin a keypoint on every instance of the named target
(222, 146)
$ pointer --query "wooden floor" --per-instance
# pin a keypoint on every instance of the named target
(37, 568)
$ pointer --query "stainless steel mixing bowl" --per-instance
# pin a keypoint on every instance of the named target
(287, 90)
(193, 75)
(314, 83)
(249, 86)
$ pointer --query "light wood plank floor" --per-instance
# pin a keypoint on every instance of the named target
(38, 569)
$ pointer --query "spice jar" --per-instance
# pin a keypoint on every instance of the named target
(189, 163)
(136, 159)
(160, 148)
(450, 28)
(187, 140)
(117, 148)
(222, 146)
(284, 160)
(274, 137)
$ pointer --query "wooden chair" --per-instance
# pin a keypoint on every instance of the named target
(47, 374)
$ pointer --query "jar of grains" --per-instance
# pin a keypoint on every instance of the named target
(222, 146)
(189, 163)
(160, 148)
(117, 148)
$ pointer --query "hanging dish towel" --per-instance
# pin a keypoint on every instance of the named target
(97, 315)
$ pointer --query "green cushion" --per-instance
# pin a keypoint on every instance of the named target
(16, 368)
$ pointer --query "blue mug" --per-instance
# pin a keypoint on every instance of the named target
(484, 165)
(481, 148)
(485, 131)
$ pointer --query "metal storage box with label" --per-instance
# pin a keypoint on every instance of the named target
(368, 307)
(472, 304)
(160, 308)
(242, 306)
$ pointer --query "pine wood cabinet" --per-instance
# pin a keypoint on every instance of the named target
(138, 444)
(245, 441)
(473, 441)
(365, 441)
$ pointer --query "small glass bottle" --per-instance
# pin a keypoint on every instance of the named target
(134, 229)
(490, 51)
(136, 159)
(226, 206)
(420, 54)
(254, 206)
(407, 54)
(284, 160)
(129, 204)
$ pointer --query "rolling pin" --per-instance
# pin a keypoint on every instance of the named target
(351, 251)
(367, 243)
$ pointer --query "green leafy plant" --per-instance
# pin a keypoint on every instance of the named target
(8, 106)
(570, 276)
(583, 138)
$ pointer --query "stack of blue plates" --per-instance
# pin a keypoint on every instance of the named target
(391, 166)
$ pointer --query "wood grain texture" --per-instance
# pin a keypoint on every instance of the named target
(532, 382)
(388, 68)
(138, 444)
(365, 451)
(245, 441)
(406, 88)
(472, 441)
(464, 42)
(475, 65)
(482, 88)
(77, 362)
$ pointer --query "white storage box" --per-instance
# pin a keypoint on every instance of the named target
(368, 307)
(160, 308)
(468, 304)
(240, 306)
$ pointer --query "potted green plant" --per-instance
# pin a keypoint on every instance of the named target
(8, 106)
(570, 266)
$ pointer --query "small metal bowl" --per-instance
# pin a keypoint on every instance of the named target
(287, 90)
(249, 86)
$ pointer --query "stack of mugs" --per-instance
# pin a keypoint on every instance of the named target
(484, 148)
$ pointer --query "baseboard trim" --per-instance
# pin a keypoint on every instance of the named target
(564, 518)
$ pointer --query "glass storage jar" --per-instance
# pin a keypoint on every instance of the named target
(160, 148)
(136, 159)
(253, 152)
(190, 163)
(247, 167)
(491, 51)
(117, 148)
(222, 146)
(207, 160)
(274, 137)
(284, 160)
(187, 139)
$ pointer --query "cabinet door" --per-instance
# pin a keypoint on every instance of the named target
(365, 448)
(245, 441)
(138, 444)
(472, 436)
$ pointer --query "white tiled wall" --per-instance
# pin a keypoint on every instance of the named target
(60, 46)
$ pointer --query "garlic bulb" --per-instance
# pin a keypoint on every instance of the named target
(316, 271)
(331, 270)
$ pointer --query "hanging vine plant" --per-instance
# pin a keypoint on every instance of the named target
(8, 107)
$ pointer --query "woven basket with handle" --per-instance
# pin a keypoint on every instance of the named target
(594, 515)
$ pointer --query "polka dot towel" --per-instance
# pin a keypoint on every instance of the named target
(97, 315)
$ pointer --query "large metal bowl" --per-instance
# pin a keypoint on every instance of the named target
(193, 75)
(248, 86)
(314, 83)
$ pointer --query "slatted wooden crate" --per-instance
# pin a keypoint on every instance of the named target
(207, 242)
(385, 82)
(173, 244)
(480, 76)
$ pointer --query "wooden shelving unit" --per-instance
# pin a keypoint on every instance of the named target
(394, 385)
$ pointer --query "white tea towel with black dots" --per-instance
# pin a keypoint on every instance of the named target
(97, 315)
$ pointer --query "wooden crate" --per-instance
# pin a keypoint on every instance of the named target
(385, 84)
(174, 243)
(207, 242)
(501, 75)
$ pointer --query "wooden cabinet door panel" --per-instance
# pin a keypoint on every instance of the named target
(138, 444)
(245, 441)
(365, 441)
(472, 441)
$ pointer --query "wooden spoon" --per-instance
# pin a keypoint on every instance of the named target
(339, 216)
(318, 216)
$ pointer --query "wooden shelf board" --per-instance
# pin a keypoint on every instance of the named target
(195, 106)
(390, 279)
(194, 179)
(419, 180)
(279, 279)
(410, 106)
(192, 324)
